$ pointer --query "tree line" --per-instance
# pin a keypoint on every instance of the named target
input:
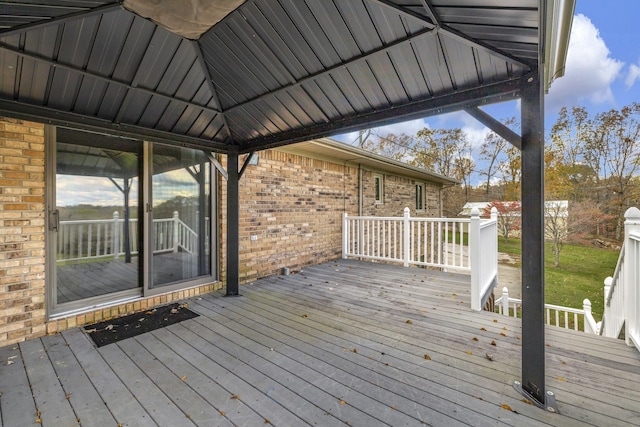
(591, 160)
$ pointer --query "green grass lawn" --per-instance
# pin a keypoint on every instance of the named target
(581, 274)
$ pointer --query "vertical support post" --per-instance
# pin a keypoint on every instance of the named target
(588, 317)
(474, 259)
(176, 231)
(233, 222)
(345, 235)
(127, 221)
(533, 339)
(631, 290)
(505, 301)
(407, 236)
(116, 235)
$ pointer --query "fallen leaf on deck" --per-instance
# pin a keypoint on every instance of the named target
(108, 327)
(495, 320)
(454, 295)
(489, 357)
(503, 334)
(527, 401)
(304, 316)
(507, 407)
(184, 378)
(235, 396)
(493, 343)
(427, 357)
(504, 328)
(222, 413)
(355, 350)
(266, 421)
(483, 329)
(469, 352)
(474, 338)
(393, 407)
(561, 379)
(342, 402)
(10, 362)
(174, 310)
(409, 322)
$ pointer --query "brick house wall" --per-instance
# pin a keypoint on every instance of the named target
(291, 208)
(399, 193)
(293, 204)
(22, 285)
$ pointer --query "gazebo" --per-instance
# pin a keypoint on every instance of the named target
(236, 77)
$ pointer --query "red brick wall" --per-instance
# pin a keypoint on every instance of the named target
(22, 285)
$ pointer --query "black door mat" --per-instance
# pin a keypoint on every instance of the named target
(121, 328)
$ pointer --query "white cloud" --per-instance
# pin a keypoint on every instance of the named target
(632, 75)
(590, 70)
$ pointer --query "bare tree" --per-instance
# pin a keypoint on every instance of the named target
(556, 227)
(491, 152)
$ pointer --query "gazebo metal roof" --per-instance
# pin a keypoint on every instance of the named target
(271, 72)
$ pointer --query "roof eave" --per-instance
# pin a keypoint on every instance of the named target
(558, 22)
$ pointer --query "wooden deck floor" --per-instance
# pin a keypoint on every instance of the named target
(345, 343)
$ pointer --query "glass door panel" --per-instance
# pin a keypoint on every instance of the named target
(181, 211)
(97, 230)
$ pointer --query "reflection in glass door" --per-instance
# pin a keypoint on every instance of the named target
(94, 219)
(181, 211)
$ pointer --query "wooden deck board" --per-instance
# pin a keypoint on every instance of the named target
(17, 407)
(327, 346)
(113, 392)
(83, 397)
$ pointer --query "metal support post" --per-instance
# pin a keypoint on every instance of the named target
(233, 222)
(533, 339)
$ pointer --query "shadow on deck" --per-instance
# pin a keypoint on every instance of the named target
(342, 343)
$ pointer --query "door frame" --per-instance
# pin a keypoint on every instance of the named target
(144, 290)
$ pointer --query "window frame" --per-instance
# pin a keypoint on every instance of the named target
(421, 192)
(378, 188)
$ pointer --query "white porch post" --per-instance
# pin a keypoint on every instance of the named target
(116, 235)
(474, 259)
(345, 235)
(631, 292)
(176, 231)
(407, 237)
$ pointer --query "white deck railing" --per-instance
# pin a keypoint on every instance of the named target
(555, 315)
(428, 242)
(622, 290)
(89, 239)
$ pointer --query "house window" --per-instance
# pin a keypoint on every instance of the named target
(420, 206)
(379, 188)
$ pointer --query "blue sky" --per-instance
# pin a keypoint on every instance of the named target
(602, 71)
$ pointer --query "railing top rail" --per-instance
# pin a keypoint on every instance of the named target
(562, 308)
(89, 221)
(449, 220)
(635, 236)
(375, 218)
(615, 276)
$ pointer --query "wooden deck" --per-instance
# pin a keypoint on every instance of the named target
(344, 343)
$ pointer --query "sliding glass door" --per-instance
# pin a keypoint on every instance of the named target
(126, 218)
(94, 216)
(181, 191)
